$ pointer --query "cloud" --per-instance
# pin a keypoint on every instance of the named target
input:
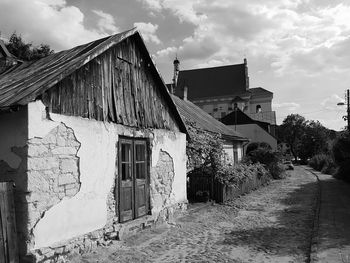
(106, 22)
(184, 9)
(148, 31)
(331, 103)
(298, 37)
(291, 106)
(168, 53)
(52, 22)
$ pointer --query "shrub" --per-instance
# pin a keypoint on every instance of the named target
(238, 174)
(323, 163)
(255, 145)
(277, 170)
(269, 159)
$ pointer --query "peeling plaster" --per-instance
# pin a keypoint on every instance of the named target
(87, 210)
(162, 177)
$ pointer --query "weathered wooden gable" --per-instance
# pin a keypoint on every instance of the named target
(121, 85)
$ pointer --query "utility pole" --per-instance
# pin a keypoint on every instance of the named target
(348, 108)
(347, 116)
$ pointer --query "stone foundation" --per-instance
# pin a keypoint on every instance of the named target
(105, 236)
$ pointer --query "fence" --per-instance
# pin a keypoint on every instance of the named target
(198, 184)
(8, 234)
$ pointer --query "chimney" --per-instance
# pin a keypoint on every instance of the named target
(176, 74)
(184, 95)
(246, 74)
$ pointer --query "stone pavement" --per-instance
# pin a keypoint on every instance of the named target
(271, 224)
(332, 239)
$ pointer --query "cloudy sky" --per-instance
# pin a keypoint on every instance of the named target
(298, 49)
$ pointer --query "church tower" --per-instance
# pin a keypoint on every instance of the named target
(176, 74)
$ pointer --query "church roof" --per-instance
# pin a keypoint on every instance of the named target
(213, 82)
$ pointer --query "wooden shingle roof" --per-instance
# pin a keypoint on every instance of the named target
(25, 82)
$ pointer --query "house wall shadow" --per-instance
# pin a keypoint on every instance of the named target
(14, 145)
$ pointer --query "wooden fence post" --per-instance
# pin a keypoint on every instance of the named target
(8, 233)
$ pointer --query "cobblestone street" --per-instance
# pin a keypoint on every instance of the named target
(272, 224)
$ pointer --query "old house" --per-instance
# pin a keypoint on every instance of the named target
(94, 143)
(256, 131)
(233, 142)
(218, 90)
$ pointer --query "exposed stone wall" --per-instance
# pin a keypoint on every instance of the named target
(52, 170)
(111, 206)
(162, 177)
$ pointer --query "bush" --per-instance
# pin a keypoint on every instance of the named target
(323, 163)
(277, 170)
(268, 158)
(256, 145)
(341, 154)
(238, 174)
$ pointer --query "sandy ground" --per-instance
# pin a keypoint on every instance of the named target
(272, 224)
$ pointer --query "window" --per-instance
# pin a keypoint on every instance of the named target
(133, 179)
(258, 108)
(215, 109)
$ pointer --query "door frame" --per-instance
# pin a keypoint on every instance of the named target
(118, 178)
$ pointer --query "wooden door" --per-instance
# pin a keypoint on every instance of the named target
(126, 182)
(133, 179)
(8, 233)
(140, 164)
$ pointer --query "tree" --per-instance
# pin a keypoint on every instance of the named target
(204, 149)
(341, 154)
(291, 131)
(314, 140)
(27, 51)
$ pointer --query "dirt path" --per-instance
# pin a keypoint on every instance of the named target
(272, 224)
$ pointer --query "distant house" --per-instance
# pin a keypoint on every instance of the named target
(233, 141)
(256, 131)
(218, 90)
(94, 143)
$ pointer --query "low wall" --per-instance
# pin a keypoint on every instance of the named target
(226, 193)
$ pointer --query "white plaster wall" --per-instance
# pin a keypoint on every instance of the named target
(256, 134)
(265, 106)
(13, 132)
(240, 151)
(87, 210)
(229, 148)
